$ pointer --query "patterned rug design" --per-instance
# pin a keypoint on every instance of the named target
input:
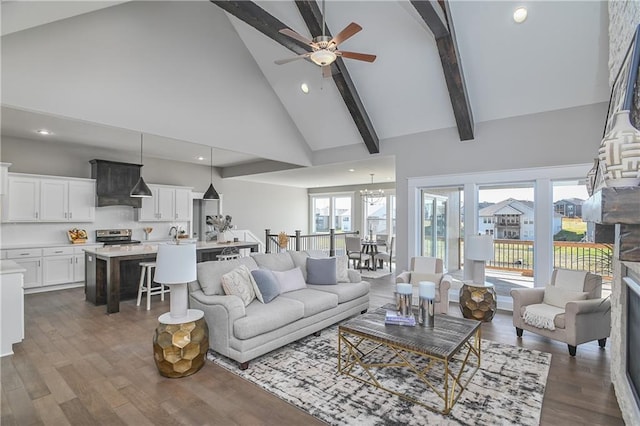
(507, 389)
(365, 273)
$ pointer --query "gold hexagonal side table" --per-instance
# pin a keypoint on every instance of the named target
(179, 349)
(478, 301)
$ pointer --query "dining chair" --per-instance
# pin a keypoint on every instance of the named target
(386, 256)
(354, 251)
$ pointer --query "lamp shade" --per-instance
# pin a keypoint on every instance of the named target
(175, 263)
(141, 190)
(211, 194)
(479, 247)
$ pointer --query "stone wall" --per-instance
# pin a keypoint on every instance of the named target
(624, 16)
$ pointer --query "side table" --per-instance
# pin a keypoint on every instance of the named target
(179, 349)
(478, 301)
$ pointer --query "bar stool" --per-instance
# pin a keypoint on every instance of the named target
(146, 285)
(228, 253)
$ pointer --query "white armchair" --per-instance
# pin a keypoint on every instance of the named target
(570, 309)
(429, 269)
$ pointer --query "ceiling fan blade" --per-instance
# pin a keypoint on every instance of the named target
(296, 36)
(349, 31)
(326, 71)
(295, 58)
(354, 55)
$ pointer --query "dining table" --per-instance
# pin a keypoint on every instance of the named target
(370, 247)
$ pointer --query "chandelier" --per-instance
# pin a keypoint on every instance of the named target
(370, 196)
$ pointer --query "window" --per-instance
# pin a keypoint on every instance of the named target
(332, 211)
(376, 216)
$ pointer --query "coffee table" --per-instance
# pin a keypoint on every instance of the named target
(443, 359)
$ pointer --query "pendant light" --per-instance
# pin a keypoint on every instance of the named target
(141, 190)
(211, 193)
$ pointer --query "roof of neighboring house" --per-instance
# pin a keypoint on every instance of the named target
(509, 206)
(575, 201)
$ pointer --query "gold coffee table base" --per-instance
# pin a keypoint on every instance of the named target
(435, 373)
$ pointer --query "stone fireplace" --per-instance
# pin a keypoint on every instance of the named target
(615, 214)
(625, 365)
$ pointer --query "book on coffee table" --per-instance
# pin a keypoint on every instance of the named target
(394, 318)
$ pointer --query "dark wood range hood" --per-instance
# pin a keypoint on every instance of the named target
(114, 181)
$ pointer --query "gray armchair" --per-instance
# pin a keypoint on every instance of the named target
(429, 269)
(572, 303)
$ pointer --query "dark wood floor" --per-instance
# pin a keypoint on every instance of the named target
(79, 366)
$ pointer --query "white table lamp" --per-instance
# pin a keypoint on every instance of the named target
(479, 249)
(176, 266)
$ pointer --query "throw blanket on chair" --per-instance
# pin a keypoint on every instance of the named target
(541, 315)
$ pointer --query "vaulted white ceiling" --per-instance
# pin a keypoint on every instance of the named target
(556, 59)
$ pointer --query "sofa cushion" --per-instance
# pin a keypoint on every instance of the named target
(300, 260)
(210, 273)
(314, 301)
(322, 271)
(274, 261)
(261, 318)
(290, 280)
(239, 282)
(345, 291)
(559, 297)
(266, 284)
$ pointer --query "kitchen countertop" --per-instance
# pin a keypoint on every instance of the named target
(151, 248)
(46, 245)
(10, 267)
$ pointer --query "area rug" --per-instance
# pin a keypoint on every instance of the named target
(507, 389)
(365, 273)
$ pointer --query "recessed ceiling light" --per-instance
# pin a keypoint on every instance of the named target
(388, 178)
(44, 132)
(352, 170)
(520, 14)
(200, 158)
(304, 87)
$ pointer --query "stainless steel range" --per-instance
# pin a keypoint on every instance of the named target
(115, 236)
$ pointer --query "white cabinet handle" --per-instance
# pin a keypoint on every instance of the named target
(58, 251)
(70, 215)
(36, 215)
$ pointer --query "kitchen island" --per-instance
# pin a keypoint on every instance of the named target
(113, 272)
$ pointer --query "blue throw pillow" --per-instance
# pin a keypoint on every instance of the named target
(322, 271)
(267, 284)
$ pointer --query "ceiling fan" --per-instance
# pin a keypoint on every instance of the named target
(324, 50)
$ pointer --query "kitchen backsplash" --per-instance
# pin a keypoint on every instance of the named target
(114, 217)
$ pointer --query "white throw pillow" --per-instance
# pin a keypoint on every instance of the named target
(290, 280)
(240, 282)
(416, 277)
(342, 264)
(559, 297)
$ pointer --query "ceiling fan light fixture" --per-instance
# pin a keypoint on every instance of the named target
(323, 57)
(520, 15)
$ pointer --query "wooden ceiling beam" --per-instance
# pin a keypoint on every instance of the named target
(436, 15)
(313, 18)
(267, 24)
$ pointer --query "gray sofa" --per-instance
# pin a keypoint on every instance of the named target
(244, 333)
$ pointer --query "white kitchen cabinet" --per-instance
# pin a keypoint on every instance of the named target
(54, 200)
(31, 261)
(22, 203)
(183, 205)
(34, 198)
(167, 204)
(57, 265)
(11, 306)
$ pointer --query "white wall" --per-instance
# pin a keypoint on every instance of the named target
(254, 206)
